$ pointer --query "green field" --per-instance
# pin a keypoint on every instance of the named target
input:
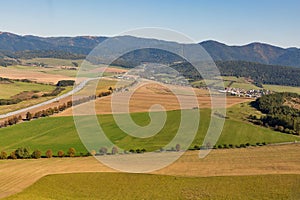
(145, 186)
(59, 133)
(281, 88)
(8, 90)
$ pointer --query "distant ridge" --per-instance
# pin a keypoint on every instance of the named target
(254, 52)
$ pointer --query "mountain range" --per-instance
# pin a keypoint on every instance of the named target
(13, 45)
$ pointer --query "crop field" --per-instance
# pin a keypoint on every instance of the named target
(59, 133)
(144, 96)
(143, 186)
(7, 90)
(281, 88)
(38, 74)
(251, 169)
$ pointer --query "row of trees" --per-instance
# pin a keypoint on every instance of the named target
(25, 153)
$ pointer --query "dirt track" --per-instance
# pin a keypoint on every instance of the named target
(230, 162)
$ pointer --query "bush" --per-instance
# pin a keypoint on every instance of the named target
(219, 146)
(22, 153)
(243, 146)
(36, 154)
(60, 153)
(114, 150)
(196, 147)
(230, 145)
(103, 150)
(72, 152)
(49, 153)
(177, 147)
(131, 151)
(3, 155)
(12, 155)
(93, 152)
(138, 151)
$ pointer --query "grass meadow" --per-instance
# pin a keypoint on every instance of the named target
(59, 133)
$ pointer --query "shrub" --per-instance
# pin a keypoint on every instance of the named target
(93, 152)
(196, 147)
(230, 145)
(60, 153)
(12, 155)
(22, 153)
(114, 150)
(138, 151)
(243, 146)
(3, 155)
(72, 152)
(49, 153)
(36, 154)
(103, 150)
(225, 146)
(177, 147)
(131, 151)
(219, 146)
(143, 150)
(280, 128)
(247, 144)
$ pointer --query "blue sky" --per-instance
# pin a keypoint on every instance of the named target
(233, 22)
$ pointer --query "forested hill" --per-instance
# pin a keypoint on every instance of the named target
(254, 52)
(13, 45)
(260, 73)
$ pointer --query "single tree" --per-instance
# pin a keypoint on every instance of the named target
(72, 152)
(36, 154)
(177, 147)
(60, 153)
(49, 153)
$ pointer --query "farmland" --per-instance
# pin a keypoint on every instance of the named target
(227, 169)
(160, 187)
(7, 90)
(41, 134)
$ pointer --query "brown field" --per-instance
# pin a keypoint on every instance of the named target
(41, 77)
(145, 96)
(281, 159)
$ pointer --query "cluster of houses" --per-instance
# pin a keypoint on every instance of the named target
(245, 93)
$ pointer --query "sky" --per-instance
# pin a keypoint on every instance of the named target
(234, 22)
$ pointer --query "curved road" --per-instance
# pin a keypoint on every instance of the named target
(76, 89)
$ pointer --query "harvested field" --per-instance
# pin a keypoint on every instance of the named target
(230, 162)
(145, 96)
(34, 75)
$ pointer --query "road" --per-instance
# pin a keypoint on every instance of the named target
(75, 89)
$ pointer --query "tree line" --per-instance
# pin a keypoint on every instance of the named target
(25, 153)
